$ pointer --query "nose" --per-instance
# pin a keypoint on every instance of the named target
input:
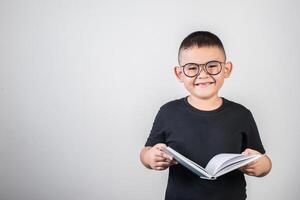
(202, 73)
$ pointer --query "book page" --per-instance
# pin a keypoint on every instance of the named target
(234, 160)
(194, 167)
(236, 165)
(217, 161)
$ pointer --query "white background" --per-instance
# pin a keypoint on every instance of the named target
(81, 82)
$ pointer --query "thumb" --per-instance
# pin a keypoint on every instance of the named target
(249, 151)
(160, 146)
(246, 152)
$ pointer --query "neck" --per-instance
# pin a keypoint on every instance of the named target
(205, 104)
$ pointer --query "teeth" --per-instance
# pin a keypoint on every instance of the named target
(204, 83)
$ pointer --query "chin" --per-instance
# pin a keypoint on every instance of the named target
(204, 96)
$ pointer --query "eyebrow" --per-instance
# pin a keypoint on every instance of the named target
(203, 63)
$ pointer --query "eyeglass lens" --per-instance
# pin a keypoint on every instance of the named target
(192, 69)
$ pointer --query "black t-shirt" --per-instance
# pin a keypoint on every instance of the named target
(200, 135)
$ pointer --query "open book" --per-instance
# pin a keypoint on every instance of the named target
(217, 166)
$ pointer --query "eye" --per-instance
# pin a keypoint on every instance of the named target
(192, 68)
(212, 65)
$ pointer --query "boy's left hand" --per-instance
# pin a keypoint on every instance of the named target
(259, 167)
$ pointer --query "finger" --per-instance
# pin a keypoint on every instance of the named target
(246, 151)
(173, 163)
(159, 153)
(242, 169)
(249, 151)
(159, 168)
(167, 156)
(250, 174)
(247, 167)
(249, 171)
(251, 164)
(161, 159)
(163, 155)
(159, 146)
(162, 164)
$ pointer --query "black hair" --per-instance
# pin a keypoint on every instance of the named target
(201, 39)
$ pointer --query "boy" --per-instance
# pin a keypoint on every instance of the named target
(202, 125)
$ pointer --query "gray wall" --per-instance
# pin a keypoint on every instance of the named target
(81, 82)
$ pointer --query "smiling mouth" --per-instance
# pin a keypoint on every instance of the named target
(204, 84)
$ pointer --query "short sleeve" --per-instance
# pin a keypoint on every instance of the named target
(157, 134)
(252, 138)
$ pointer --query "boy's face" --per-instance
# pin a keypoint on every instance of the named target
(203, 86)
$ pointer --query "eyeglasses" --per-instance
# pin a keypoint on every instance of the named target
(212, 68)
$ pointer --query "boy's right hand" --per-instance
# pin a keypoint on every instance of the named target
(157, 159)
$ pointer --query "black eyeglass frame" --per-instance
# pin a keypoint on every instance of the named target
(203, 68)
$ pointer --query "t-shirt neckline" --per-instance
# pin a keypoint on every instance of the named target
(204, 112)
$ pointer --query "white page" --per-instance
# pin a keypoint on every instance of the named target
(216, 162)
(235, 160)
(237, 165)
(194, 167)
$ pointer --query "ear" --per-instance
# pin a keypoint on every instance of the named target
(227, 69)
(178, 73)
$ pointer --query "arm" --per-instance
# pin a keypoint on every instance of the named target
(154, 158)
(258, 168)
